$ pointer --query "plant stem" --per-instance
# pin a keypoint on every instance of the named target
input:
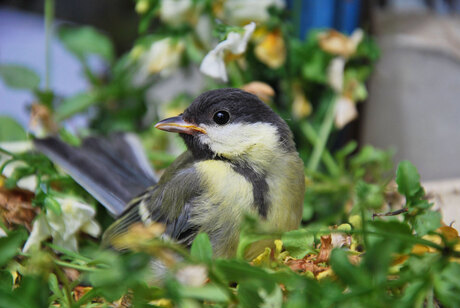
(75, 266)
(324, 133)
(327, 158)
(49, 19)
(66, 286)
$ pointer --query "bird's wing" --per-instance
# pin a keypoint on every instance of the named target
(112, 169)
(169, 203)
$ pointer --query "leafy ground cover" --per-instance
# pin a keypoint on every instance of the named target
(366, 240)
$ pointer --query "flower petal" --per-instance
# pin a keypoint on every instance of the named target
(335, 74)
(40, 231)
(213, 65)
(345, 112)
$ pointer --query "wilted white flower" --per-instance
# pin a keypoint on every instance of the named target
(163, 57)
(340, 239)
(345, 111)
(28, 182)
(192, 275)
(64, 227)
(335, 73)
(213, 63)
(339, 44)
(175, 12)
(237, 12)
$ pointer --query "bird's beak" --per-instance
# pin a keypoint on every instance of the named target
(179, 125)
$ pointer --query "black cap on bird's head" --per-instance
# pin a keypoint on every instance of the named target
(222, 116)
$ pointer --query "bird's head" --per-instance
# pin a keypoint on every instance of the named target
(231, 124)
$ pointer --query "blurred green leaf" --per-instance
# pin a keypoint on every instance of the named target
(85, 41)
(248, 294)
(10, 245)
(298, 242)
(201, 248)
(351, 275)
(427, 222)
(6, 281)
(19, 77)
(11, 130)
(76, 104)
(207, 292)
(370, 195)
(53, 205)
(408, 179)
(33, 292)
(315, 67)
(447, 285)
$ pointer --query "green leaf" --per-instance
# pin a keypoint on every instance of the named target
(391, 227)
(76, 104)
(315, 68)
(19, 77)
(371, 195)
(10, 245)
(33, 291)
(235, 271)
(208, 292)
(298, 242)
(408, 179)
(248, 294)
(6, 281)
(11, 130)
(201, 248)
(85, 41)
(427, 222)
(53, 205)
(378, 258)
(447, 285)
(348, 273)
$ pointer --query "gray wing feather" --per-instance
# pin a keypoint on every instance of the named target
(169, 202)
(105, 167)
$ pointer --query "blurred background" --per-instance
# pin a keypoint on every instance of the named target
(412, 96)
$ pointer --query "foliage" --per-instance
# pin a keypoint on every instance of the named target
(356, 248)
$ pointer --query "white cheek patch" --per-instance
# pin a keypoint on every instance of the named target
(239, 138)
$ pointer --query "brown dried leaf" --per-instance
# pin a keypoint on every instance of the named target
(41, 119)
(337, 43)
(16, 207)
(262, 90)
(326, 248)
(79, 291)
(71, 273)
(304, 265)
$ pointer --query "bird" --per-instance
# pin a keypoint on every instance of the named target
(240, 159)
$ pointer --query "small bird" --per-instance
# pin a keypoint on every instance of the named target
(240, 158)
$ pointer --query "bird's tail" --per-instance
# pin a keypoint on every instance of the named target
(113, 170)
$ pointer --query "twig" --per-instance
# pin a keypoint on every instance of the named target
(393, 213)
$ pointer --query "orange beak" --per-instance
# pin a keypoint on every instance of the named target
(179, 125)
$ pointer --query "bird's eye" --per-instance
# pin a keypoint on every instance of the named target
(221, 117)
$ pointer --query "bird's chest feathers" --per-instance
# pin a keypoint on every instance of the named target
(224, 187)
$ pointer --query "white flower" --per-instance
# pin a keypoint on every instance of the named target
(28, 182)
(75, 217)
(335, 73)
(345, 111)
(237, 12)
(213, 63)
(175, 12)
(163, 57)
(192, 275)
